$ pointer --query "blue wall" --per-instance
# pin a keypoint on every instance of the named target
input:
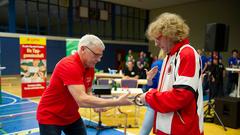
(10, 54)
(56, 50)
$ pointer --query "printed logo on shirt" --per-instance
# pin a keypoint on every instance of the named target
(132, 73)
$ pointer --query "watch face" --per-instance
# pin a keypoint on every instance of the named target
(137, 100)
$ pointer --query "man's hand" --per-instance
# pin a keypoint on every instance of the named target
(151, 73)
(123, 99)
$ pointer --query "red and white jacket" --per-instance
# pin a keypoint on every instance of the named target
(178, 101)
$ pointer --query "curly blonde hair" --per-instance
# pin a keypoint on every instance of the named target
(170, 25)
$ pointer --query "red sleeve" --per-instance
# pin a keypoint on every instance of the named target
(169, 101)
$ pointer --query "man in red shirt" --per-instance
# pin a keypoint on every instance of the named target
(178, 100)
(70, 88)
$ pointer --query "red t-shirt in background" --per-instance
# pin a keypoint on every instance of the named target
(57, 106)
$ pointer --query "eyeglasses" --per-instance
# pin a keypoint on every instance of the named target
(96, 54)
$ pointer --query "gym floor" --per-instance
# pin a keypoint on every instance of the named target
(18, 116)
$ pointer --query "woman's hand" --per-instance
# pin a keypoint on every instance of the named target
(151, 73)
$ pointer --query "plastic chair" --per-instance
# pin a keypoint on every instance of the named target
(103, 81)
(129, 83)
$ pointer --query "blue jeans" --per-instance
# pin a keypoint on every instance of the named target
(148, 122)
(76, 128)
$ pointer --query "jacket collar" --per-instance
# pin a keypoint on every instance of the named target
(178, 45)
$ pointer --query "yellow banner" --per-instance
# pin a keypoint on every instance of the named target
(32, 40)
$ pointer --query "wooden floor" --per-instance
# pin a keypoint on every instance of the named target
(11, 84)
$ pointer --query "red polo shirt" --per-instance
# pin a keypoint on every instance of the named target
(57, 106)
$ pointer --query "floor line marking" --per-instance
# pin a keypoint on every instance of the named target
(84, 118)
(14, 101)
(25, 132)
(21, 97)
(3, 131)
(15, 114)
(12, 94)
(10, 115)
(9, 121)
(17, 109)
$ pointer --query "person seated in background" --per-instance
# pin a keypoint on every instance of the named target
(204, 61)
(216, 73)
(216, 55)
(140, 68)
(203, 58)
(141, 65)
(130, 72)
(141, 58)
(232, 77)
(129, 56)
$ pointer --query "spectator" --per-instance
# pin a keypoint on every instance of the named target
(130, 72)
(233, 62)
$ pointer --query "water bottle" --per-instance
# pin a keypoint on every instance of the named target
(114, 85)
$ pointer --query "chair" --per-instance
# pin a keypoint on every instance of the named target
(131, 83)
(103, 81)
